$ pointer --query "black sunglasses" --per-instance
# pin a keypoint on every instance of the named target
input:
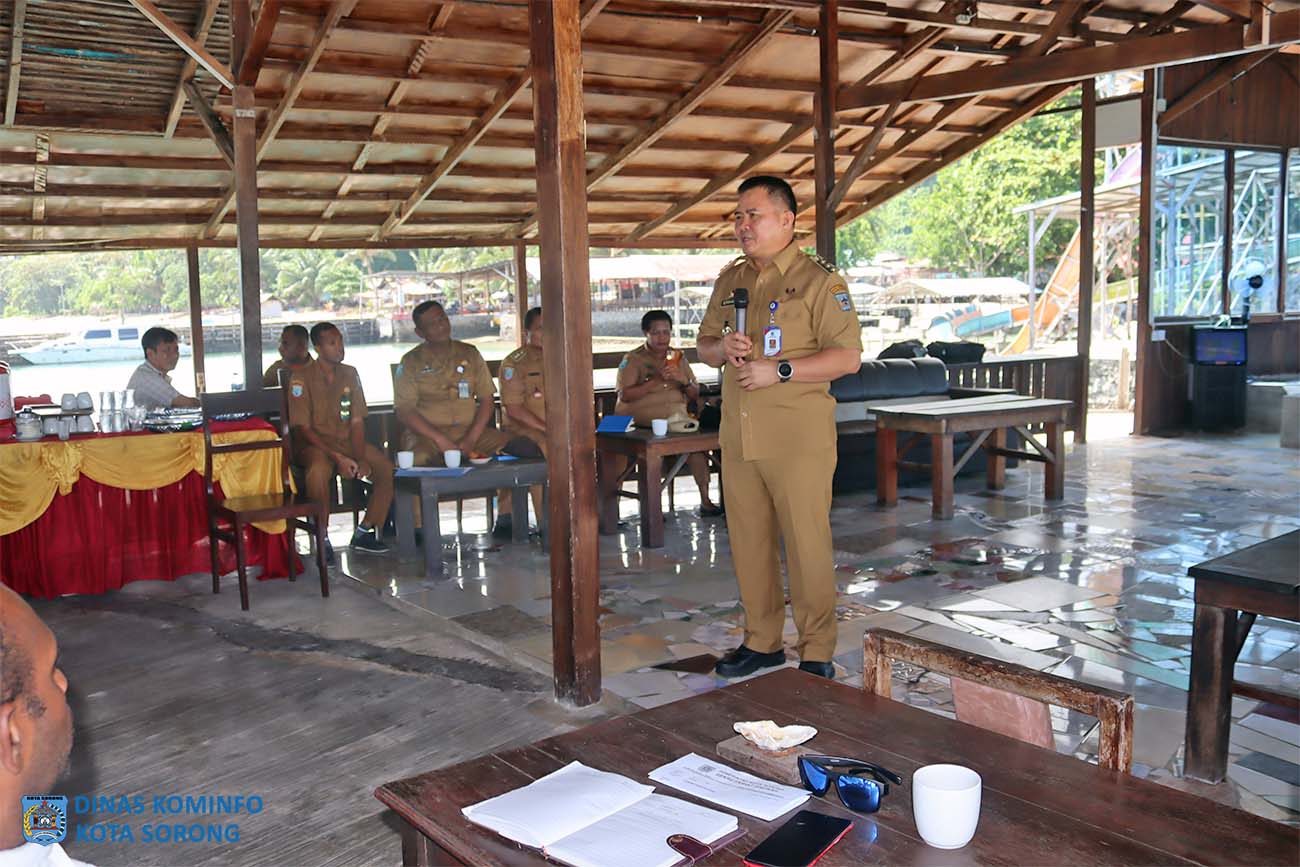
(859, 793)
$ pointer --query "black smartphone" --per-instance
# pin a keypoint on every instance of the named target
(800, 841)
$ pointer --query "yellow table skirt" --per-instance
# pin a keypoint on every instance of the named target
(31, 473)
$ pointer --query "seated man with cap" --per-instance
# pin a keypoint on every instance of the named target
(444, 397)
(152, 380)
(654, 381)
(327, 409)
(293, 354)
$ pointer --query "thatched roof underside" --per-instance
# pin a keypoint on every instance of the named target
(363, 140)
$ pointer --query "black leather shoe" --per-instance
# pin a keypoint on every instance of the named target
(504, 528)
(711, 511)
(821, 669)
(743, 661)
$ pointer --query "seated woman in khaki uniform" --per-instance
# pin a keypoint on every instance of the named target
(654, 381)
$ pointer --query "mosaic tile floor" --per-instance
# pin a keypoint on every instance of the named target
(1093, 587)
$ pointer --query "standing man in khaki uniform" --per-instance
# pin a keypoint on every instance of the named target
(523, 391)
(327, 409)
(778, 426)
(654, 381)
(444, 397)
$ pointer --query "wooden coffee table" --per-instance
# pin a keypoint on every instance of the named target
(646, 451)
(1039, 807)
(517, 475)
(989, 417)
(1230, 592)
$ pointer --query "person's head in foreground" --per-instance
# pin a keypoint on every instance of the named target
(161, 348)
(764, 217)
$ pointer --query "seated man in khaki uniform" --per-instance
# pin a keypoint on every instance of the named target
(293, 354)
(327, 409)
(444, 397)
(523, 395)
(654, 381)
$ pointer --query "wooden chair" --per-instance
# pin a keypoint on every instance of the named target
(1004, 697)
(239, 512)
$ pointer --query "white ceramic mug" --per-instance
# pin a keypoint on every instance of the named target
(946, 804)
(85, 424)
(659, 426)
(84, 401)
(69, 401)
(451, 457)
(405, 460)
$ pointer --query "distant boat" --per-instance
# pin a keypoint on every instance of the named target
(94, 344)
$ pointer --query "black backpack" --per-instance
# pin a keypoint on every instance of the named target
(965, 352)
(903, 349)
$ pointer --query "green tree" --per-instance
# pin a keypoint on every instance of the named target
(306, 277)
(40, 285)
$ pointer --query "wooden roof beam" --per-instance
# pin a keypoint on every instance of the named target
(204, 26)
(1069, 66)
(175, 33)
(255, 55)
(712, 80)
(587, 13)
(337, 12)
(15, 60)
(40, 176)
(1223, 75)
(211, 122)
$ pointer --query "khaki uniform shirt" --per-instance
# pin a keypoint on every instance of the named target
(327, 407)
(522, 384)
(444, 384)
(640, 366)
(813, 312)
(271, 379)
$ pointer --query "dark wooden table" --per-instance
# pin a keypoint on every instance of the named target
(647, 452)
(1039, 807)
(988, 417)
(1230, 592)
(518, 475)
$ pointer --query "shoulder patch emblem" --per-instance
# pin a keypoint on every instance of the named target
(846, 303)
(295, 388)
(398, 372)
(622, 364)
(507, 373)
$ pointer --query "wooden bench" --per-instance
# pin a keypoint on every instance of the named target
(989, 417)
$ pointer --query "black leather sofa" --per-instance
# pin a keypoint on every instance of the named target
(894, 381)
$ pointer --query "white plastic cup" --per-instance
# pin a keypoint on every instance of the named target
(659, 426)
(405, 460)
(451, 457)
(946, 804)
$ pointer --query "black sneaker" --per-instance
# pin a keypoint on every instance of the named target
(364, 540)
(504, 528)
(742, 661)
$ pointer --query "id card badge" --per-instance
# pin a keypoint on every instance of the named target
(462, 390)
(771, 340)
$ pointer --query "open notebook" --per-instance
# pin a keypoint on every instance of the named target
(589, 818)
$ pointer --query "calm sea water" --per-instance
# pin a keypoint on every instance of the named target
(224, 369)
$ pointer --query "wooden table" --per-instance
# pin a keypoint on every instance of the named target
(647, 452)
(1230, 592)
(517, 475)
(1039, 807)
(989, 417)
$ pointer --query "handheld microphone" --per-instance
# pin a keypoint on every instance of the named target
(740, 300)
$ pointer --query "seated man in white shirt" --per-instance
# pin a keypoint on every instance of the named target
(152, 384)
(35, 729)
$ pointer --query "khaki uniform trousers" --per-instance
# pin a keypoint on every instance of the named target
(321, 471)
(790, 495)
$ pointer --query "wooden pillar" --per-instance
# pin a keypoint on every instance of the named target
(196, 319)
(1087, 249)
(824, 126)
(521, 289)
(1147, 378)
(560, 143)
(250, 275)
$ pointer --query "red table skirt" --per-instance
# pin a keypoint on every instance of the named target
(99, 538)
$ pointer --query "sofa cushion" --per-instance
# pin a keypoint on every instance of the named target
(894, 377)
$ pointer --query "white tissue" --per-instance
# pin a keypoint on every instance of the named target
(767, 735)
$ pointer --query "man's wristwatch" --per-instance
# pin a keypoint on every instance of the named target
(784, 370)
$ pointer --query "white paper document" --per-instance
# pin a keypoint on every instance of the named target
(556, 805)
(729, 787)
(637, 836)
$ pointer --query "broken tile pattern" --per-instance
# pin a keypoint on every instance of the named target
(1092, 587)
